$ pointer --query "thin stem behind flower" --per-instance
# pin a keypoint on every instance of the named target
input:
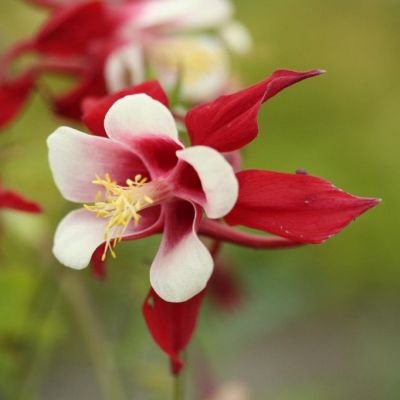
(178, 387)
(109, 382)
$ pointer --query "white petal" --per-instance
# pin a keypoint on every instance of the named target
(183, 264)
(206, 14)
(124, 67)
(154, 13)
(139, 115)
(237, 37)
(217, 178)
(183, 272)
(183, 13)
(76, 158)
(80, 233)
(77, 237)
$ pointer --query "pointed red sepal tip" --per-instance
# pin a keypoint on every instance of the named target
(318, 71)
(230, 122)
(303, 208)
(366, 203)
(359, 206)
(14, 201)
(371, 201)
(171, 324)
(307, 74)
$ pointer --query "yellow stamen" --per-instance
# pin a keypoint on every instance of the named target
(191, 58)
(120, 205)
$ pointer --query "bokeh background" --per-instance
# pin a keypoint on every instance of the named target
(320, 322)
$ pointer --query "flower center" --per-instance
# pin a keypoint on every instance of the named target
(191, 58)
(121, 205)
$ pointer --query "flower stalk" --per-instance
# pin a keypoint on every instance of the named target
(222, 232)
(101, 352)
(177, 387)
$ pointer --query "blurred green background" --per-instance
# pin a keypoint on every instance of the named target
(320, 322)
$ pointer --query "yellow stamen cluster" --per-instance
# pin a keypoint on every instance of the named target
(120, 205)
(188, 57)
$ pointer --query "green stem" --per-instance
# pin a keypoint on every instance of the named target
(178, 387)
(100, 350)
(70, 286)
(42, 352)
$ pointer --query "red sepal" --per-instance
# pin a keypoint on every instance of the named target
(171, 324)
(230, 122)
(95, 109)
(13, 95)
(14, 201)
(74, 29)
(303, 208)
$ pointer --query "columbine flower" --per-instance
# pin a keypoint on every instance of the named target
(107, 46)
(140, 180)
(136, 182)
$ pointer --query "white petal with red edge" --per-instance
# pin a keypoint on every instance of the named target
(80, 233)
(217, 179)
(76, 158)
(183, 265)
(139, 115)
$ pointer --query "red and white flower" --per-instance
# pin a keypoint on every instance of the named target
(143, 180)
(140, 141)
(107, 46)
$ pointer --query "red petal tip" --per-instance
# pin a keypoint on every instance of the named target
(299, 207)
(371, 202)
(37, 209)
(314, 72)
